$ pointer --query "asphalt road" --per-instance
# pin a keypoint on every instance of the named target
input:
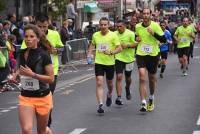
(177, 105)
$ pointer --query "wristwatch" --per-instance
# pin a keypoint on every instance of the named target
(111, 52)
(34, 76)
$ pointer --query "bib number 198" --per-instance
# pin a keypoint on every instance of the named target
(147, 48)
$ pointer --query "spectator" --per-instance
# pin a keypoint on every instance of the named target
(64, 32)
(11, 49)
(89, 30)
(4, 71)
(12, 18)
(6, 27)
(71, 31)
(71, 14)
(1, 27)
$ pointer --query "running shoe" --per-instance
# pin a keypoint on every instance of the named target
(185, 73)
(109, 100)
(161, 75)
(159, 65)
(128, 94)
(118, 101)
(100, 109)
(143, 107)
(150, 105)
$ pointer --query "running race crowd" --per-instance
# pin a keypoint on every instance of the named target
(29, 52)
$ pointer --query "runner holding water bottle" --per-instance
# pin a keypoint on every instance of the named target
(106, 44)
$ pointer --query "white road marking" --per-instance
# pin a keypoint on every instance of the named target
(197, 57)
(85, 79)
(196, 132)
(90, 69)
(13, 107)
(198, 121)
(71, 84)
(77, 131)
(4, 111)
(67, 92)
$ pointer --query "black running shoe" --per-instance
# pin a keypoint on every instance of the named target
(161, 75)
(128, 94)
(118, 101)
(100, 109)
(108, 101)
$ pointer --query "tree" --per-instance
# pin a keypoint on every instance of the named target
(57, 8)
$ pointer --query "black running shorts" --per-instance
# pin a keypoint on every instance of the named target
(148, 62)
(183, 51)
(163, 55)
(120, 66)
(108, 69)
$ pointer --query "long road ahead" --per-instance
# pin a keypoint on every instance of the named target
(177, 105)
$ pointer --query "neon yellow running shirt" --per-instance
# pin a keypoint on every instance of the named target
(105, 42)
(149, 45)
(183, 37)
(128, 54)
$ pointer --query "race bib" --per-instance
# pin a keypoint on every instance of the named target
(103, 47)
(147, 48)
(29, 83)
(129, 67)
(183, 39)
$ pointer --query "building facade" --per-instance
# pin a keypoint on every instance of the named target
(24, 7)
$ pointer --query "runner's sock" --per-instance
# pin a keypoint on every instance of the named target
(144, 101)
(151, 97)
(162, 68)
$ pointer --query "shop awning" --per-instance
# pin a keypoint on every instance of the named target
(91, 8)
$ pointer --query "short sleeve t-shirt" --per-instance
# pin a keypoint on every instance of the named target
(183, 37)
(149, 45)
(128, 54)
(193, 31)
(105, 42)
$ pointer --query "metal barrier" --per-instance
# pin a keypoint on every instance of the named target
(75, 52)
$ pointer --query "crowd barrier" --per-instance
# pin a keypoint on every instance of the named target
(74, 52)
